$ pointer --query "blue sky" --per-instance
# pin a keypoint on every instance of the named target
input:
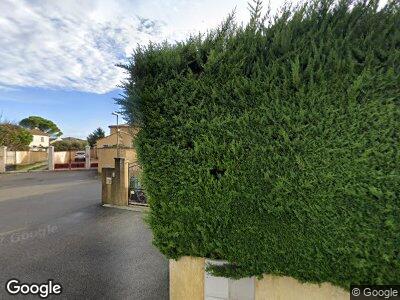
(76, 113)
(57, 58)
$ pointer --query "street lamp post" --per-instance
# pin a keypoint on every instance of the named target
(115, 114)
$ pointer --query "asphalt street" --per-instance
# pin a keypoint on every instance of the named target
(53, 227)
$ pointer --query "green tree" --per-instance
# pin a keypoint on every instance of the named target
(43, 124)
(95, 135)
(14, 137)
(66, 145)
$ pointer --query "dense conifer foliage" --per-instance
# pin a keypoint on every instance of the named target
(275, 145)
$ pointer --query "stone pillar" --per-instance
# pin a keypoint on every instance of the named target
(108, 175)
(120, 184)
(87, 157)
(115, 183)
(186, 278)
(51, 158)
(3, 158)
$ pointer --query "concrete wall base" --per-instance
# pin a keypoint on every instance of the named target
(188, 280)
(138, 208)
(287, 288)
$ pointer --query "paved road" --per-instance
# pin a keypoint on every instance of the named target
(52, 227)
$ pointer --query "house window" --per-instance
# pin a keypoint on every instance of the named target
(42, 139)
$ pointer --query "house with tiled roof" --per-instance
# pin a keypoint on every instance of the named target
(40, 140)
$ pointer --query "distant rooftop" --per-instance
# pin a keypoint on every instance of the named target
(37, 131)
(120, 125)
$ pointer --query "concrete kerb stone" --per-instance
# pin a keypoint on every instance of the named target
(138, 208)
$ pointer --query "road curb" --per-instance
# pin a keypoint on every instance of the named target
(138, 208)
(46, 171)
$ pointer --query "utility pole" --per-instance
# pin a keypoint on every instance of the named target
(115, 114)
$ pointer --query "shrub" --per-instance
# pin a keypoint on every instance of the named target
(275, 146)
(67, 145)
(14, 137)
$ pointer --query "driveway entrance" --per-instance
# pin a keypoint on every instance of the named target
(74, 159)
(52, 227)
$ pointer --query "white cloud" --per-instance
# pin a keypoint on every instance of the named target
(75, 44)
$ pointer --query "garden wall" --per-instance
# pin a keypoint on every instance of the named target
(106, 156)
(187, 281)
(25, 157)
(64, 157)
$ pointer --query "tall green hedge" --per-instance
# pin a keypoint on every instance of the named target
(275, 145)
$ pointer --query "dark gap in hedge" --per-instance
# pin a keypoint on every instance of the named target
(217, 172)
(190, 145)
(195, 67)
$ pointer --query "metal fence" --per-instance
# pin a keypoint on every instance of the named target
(136, 192)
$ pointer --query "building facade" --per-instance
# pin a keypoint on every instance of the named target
(40, 140)
(122, 135)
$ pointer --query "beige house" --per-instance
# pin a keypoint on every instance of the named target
(106, 147)
(40, 139)
(125, 136)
